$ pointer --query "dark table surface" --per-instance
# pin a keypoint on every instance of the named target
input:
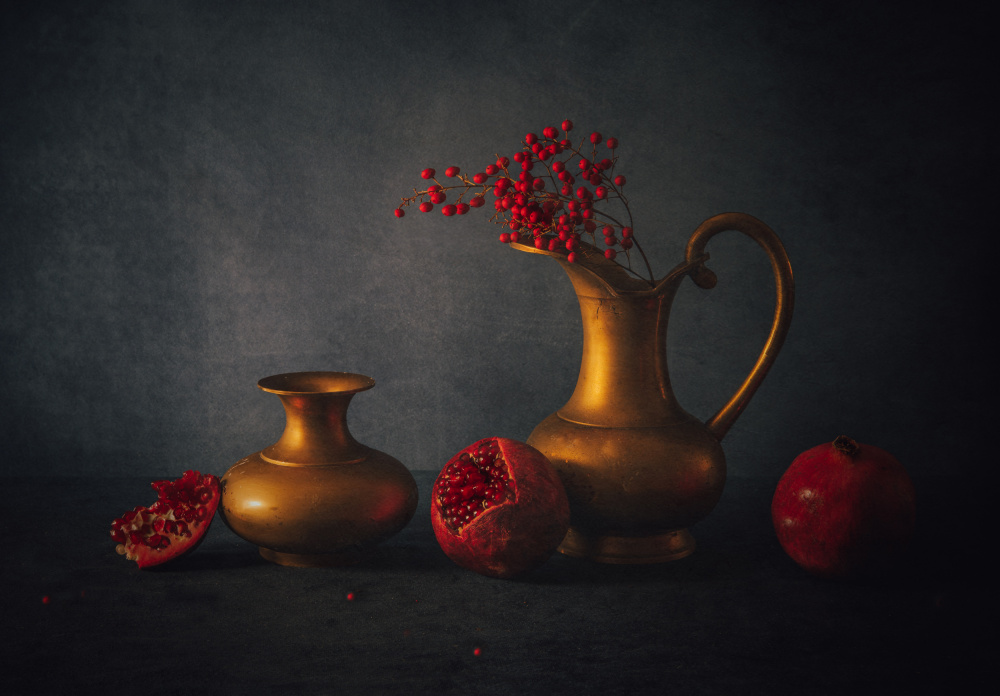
(737, 617)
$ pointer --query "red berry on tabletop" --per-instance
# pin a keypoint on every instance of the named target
(567, 126)
(400, 212)
(427, 173)
(451, 171)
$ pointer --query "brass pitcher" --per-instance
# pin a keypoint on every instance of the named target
(638, 469)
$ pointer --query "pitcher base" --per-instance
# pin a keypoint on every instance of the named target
(658, 548)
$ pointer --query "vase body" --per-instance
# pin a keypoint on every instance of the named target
(317, 497)
(638, 469)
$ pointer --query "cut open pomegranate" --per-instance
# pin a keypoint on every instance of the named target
(172, 526)
(498, 508)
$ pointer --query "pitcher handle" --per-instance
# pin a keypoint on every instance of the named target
(720, 423)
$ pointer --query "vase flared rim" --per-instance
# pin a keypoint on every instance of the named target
(316, 383)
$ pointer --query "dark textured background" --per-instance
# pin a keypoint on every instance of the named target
(194, 195)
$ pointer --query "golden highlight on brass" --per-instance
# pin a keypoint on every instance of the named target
(317, 497)
(638, 469)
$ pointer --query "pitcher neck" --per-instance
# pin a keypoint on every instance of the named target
(624, 381)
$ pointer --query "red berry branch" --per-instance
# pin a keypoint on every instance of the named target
(538, 199)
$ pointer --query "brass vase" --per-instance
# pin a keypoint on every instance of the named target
(317, 497)
(638, 469)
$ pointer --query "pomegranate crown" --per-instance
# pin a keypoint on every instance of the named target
(538, 199)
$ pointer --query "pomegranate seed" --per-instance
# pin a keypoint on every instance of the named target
(427, 173)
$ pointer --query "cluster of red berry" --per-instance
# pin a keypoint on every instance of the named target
(544, 203)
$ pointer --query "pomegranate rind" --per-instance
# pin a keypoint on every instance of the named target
(841, 515)
(517, 535)
(180, 543)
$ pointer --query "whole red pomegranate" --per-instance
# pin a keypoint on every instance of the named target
(172, 526)
(498, 508)
(844, 509)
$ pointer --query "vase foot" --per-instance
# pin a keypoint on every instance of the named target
(312, 560)
(658, 548)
